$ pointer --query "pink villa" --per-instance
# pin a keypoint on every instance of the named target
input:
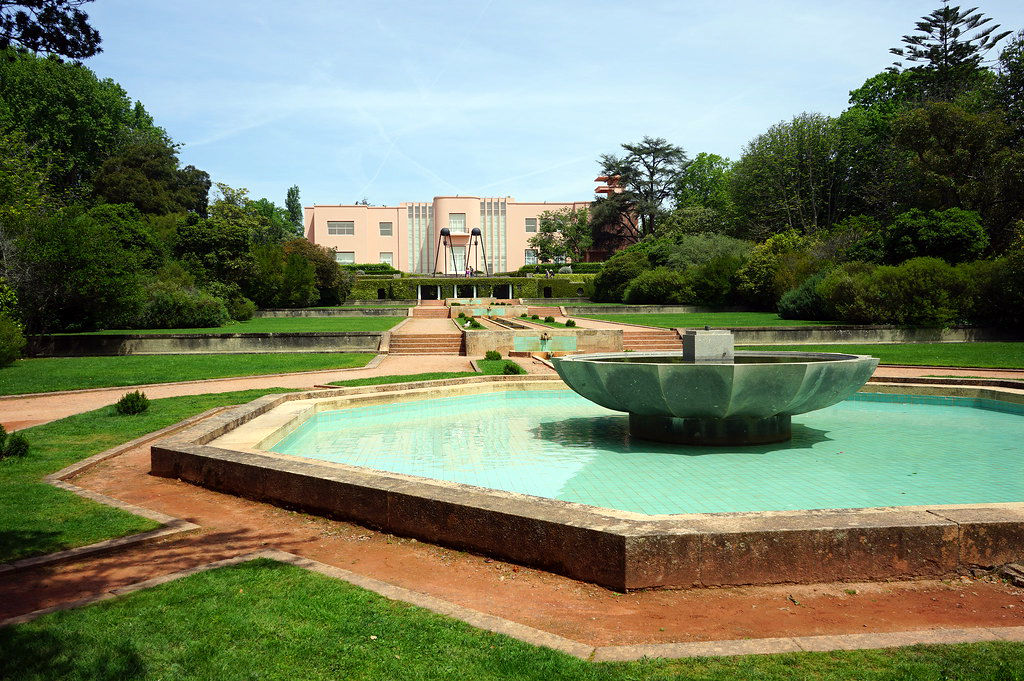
(408, 236)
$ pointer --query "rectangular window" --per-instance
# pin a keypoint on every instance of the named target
(345, 257)
(531, 256)
(385, 229)
(341, 228)
(457, 222)
(387, 258)
(531, 224)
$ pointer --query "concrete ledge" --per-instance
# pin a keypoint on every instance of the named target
(333, 312)
(617, 549)
(200, 344)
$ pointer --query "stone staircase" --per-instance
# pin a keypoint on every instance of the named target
(646, 340)
(426, 344)
(544, 311)
(430, 311)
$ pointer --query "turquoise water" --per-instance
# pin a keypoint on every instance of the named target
(872, 450)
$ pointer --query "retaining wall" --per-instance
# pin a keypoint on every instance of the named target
(331, 312)
(202, 344)
(529, 340)
(795, 335)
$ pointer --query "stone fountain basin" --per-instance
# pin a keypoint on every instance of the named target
(754, 385)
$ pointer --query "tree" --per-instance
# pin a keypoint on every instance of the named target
(949, 45)
(705, 184)
(563, 233)
(1008, 88)
(55, 27)
(293, 206)
(795, 176)
(649, 172)
(147, 175)
(72, 120)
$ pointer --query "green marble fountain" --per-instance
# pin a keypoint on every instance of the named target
(710, 394)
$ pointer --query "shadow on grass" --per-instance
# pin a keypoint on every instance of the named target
(30, 543)
(30, 653)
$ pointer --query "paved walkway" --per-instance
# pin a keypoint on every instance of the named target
(17, 413)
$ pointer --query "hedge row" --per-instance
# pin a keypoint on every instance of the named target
(528, 287)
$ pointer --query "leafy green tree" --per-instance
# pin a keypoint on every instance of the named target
(794, 176)
(1008, 88)
(954, 158)
(275, 225)
(563, 233)
(70, 119)
(293, 206)
(333, 283)
(614, 277)
(23, 179)
(704, 183)
(55, 27)
(948, 46)
(147, 175)
(649, 173)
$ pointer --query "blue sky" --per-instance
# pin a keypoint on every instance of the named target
(402, 101)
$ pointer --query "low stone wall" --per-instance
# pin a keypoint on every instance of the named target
(330, 312)
(202, 344)
(616, 549)
(810, 335)
(584, 309)
(529, 340)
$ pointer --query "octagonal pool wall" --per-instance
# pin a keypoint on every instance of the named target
(617, 549)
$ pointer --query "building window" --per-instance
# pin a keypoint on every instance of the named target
(345, 257)
(341, 228)
(531, 256)
(531, 224)
(385, 229)
(457, 222)
(387, 258)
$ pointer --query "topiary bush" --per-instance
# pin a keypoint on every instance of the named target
(132, 403)
(660, 286)
(512, 369)
(524, 316)
(549, 319)
(536, 316)
(570, 323)
(492, 354)
(565, 269)
(12, 341)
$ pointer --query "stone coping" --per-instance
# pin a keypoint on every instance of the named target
(538, 637)
(617, 549)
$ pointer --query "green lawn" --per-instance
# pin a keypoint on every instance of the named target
(38, 518)
(271, 621)
(700, 319)
(985, 355)
(554, 325)
(280, 325)
(487, 368)
(48, 374)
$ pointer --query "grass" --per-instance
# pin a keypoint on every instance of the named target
(984, 355)
(487, 368)
(37, 518)
(699, 319)
(48, 374)
(273, 621)
(554, 325)
(279, 325)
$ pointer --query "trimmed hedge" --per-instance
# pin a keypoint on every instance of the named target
(371, 268)
(577, 267)
(562, 286)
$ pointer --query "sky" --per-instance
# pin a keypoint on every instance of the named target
(397, 101)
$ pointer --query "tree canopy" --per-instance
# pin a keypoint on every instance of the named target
(57, 27)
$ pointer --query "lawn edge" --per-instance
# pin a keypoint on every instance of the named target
(169, 524)
(372, 364)
(540, 638)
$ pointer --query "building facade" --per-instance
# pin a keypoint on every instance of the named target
(408, 236)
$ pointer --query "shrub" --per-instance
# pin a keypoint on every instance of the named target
(660, 286)
(132, 403)
(955, 235)
(524, 316)
(12, 341)
(492, 354)
(549, 319)
(805, 301)
(241, 309)
(570, 323)
(170, 305)
(462, 315)
(565, 269)
(714, 282)
(536, 316)
(768, 273)
(512, 369)
(15, 445)
(610, 284)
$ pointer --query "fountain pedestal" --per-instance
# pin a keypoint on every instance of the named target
(712, 432)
